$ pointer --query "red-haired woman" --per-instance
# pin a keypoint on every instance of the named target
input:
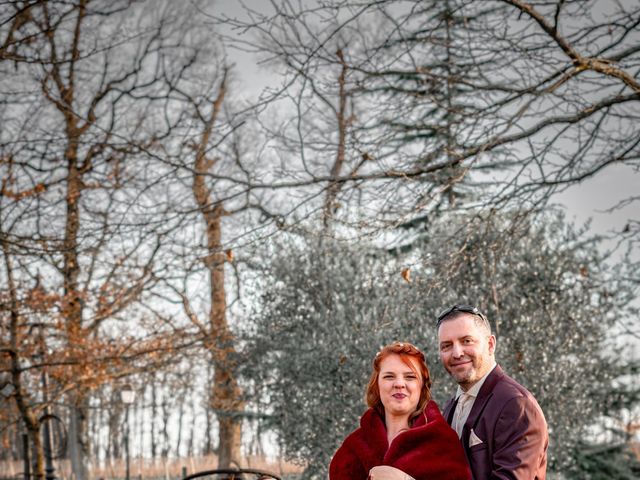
(402, 434)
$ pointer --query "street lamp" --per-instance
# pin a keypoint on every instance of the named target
(127, 395)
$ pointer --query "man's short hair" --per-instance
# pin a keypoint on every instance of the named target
(458, 309)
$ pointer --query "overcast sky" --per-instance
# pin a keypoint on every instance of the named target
(591, 199)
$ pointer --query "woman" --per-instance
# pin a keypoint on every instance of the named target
(402, 428)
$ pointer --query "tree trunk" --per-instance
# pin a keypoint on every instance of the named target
(192, 430)
(72, 310)
(166, 412)
(180, 424)
(226, 395)
(208, 439)
(114, 416)
(154, 415)
(141, 421)
(78, 439)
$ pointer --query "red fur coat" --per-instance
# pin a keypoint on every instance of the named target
(429, 450)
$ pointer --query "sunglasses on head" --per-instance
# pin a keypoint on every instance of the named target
(461, 308)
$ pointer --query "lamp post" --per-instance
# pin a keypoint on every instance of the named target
(127, 395)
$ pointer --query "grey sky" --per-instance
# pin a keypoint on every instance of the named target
(592, 199)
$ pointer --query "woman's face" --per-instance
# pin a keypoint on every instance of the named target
(399, 386)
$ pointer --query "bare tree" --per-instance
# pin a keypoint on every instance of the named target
(500, 103)
(210, 196)
(79, 88)
(210, 156)
(133, 181)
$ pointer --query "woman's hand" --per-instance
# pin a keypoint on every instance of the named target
(384, 472)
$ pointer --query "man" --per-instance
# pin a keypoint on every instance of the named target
(500, 424)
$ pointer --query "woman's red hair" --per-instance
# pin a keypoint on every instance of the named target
(407, 353)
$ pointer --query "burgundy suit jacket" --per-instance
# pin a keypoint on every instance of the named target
(429, 450)
(511, 425)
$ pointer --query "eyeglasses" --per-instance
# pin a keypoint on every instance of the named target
(464, 309)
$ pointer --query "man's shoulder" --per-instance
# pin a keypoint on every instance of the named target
(510, 399)
(506, 387)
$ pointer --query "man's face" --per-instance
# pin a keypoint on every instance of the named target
(466, 349)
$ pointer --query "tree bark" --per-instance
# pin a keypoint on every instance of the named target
(154, 415)
(226, 395)
(73, 305)
(180, 423)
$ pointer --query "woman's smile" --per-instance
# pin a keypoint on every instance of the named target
(399, 385)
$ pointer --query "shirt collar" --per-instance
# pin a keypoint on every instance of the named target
(473, 391)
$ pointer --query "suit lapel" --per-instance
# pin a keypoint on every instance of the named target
(449, 408)
(485, 393)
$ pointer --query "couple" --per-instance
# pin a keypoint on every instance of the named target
(497, 431)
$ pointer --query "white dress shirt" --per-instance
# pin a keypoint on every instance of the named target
(465, 403)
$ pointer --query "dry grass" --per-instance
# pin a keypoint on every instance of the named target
(168, 469)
